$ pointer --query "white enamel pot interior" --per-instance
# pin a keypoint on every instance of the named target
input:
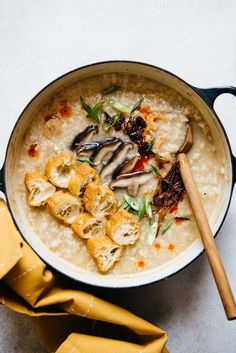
(114, 281)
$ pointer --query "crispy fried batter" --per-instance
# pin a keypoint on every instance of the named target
(123, 228)
(99, 200)
(65, 207)
(40, 190)
(104, 251)
(59, 169)
(84, 174)
(87, 226)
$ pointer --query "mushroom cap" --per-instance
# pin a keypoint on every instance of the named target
(125, 166)
(84, 136)
(131, 181)
(117, 157)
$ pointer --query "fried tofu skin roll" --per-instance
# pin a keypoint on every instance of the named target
(123, 228)
(65, 207)
(59, 169)
(87, 226)
(40, 190)
(99, 200)
(84, 174)
(104, 251)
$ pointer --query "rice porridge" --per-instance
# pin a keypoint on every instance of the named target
(128, 129)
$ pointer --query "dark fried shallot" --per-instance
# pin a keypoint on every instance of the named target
(170, 190)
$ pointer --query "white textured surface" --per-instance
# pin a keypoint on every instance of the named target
(40, 40)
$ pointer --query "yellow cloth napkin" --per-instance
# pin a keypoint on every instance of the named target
(68, 320)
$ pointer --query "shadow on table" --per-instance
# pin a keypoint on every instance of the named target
(158, 302)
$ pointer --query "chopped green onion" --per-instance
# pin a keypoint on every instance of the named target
(156, 170)
(183, 218)
(131, 202)
(142, 209)
(136, 105)
(106, 126)
(121, 205)
(57, 149)
(171, 221)
(128, 208)
(98, 108)
(167, 225)
(150, 145)
(91, 113)
(158, 155)
(110, 89)
(152, 233)
(86, 160)
(148, 207)
(120, 107)
(91, 163)
(149, 149)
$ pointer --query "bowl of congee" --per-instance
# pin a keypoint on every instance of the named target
(92, 180)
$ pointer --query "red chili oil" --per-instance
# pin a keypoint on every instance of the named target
(140, 165)
(66, 109)
(145, 110)
(157, 246)
(178, 221)
(171, 247)
(141, 263)
(173, 209)
(33, 150)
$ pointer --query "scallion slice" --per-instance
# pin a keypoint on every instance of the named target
(156, 170)
(142, 209)
(183, 219)
(131, 202)
(167, 225)
(158, 155)
(91, 112)
(120, 107)
(148, 207)
(136, 106)
(151, 236)
(86, 160)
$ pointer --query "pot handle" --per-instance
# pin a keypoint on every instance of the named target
(1, 180)
(210, 95)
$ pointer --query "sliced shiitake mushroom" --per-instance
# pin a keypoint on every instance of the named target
(106, 147)
(117, 157)
(84, 136)
(131, 181)
(87, 149)
(125, 166)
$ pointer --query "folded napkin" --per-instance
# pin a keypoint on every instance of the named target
(68, 320)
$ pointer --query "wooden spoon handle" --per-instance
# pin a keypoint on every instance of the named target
(207, 238)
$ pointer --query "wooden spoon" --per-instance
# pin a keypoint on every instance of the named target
(208, 240)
